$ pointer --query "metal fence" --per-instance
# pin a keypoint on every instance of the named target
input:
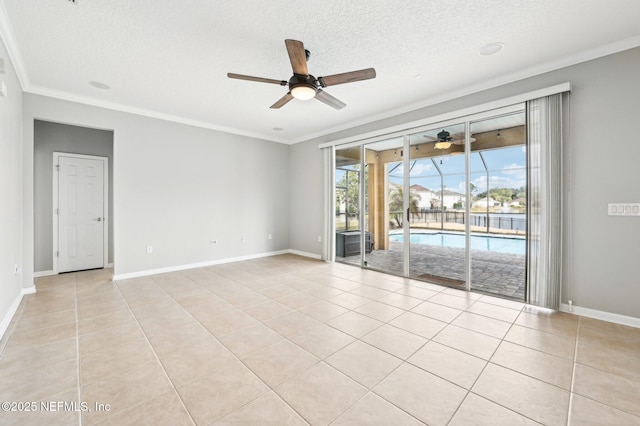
(507, 221)
(510, 221)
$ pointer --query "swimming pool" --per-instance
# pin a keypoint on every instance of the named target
(478, 242)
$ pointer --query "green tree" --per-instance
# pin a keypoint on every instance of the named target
(396, 203)
(472, 189)
(348, 193)
(504, 194)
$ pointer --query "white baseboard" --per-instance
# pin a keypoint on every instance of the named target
(43, 274)
(4, 325)
(148, 272)
(9, 316)
(305, 254)
(601, 315)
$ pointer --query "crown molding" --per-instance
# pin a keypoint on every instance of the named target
(114, 106)
(8, 37)
(9, 40)
(585, 56)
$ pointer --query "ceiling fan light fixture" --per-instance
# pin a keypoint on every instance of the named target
(303, 91)
(444, 140)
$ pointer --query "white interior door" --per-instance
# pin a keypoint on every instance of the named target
(81, 213)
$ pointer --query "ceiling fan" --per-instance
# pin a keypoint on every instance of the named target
(303, 85)
(445, 140)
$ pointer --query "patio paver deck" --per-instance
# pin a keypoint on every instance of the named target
(501, 274)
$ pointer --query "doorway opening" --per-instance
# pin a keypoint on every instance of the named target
(49, 138)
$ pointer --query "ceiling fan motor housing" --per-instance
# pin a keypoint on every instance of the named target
(443, 136)
(304, 80)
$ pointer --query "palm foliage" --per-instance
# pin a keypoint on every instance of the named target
(396, 203)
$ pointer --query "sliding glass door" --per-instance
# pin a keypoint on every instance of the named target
(385, 211)
(499, 205)
(348, 176)
(437, 199)
(443, 204)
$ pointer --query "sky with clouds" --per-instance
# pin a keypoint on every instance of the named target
(507, 169)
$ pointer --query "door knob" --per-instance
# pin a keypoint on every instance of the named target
(98, 219)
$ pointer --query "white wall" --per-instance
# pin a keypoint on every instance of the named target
(10, 192)
(601, 158)
(176, 187)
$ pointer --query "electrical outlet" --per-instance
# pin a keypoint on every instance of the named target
(319, 239)
(149, 249)
(624, 209)
(213, 242)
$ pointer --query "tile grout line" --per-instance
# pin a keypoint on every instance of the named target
(470, 391)
(488, 361)
(406, 361)
(270, 389)
(575, 363)
(320, 360)
(359, 339)
(78, 382)
(573, 370)
(385, 377)
(323, 360)
(115, 283)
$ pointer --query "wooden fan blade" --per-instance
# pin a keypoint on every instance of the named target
(282, 101)
(297, 56)
(347, 77)
(461, 141)
(258, 79)
(326, 98)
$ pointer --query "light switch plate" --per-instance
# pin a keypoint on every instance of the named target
(624, 209)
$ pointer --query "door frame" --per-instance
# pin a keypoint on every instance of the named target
(56, 206)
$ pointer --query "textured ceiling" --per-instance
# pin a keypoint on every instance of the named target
(169, 59)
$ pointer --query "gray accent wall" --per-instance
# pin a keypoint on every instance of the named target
(54, 137)
(601, 158)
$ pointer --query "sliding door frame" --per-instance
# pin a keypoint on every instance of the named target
(466, 116)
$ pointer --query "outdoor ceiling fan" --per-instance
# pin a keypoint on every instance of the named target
(445, 140)
(303, 85)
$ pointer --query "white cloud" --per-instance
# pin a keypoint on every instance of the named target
(422, 169)
(419, 169)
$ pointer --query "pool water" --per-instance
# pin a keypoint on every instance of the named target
(478, 242)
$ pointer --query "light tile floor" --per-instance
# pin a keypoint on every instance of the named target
(287, 340)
